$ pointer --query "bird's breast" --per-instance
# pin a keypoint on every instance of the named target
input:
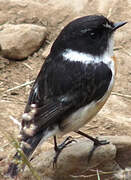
(84, 114)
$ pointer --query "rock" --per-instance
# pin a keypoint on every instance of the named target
(20, 41)
(73, 161)
(123, 145)
(112, 161)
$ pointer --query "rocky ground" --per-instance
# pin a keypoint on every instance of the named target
(28, 28)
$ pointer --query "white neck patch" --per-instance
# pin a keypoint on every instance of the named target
(75, 56)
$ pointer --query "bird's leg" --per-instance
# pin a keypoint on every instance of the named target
(59, 148)
(96, 142)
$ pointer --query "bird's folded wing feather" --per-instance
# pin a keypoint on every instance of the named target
(62, 88)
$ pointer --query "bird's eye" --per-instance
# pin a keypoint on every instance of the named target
(93, 35)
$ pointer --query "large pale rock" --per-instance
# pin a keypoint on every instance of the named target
(20, 41)
(73, 161)
(112, 161)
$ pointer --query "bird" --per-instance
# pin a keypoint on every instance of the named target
(72, 86)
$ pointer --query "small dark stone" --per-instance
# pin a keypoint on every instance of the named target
(14, 93)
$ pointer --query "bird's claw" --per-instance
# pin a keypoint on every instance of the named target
(97, 143)
(60, 147)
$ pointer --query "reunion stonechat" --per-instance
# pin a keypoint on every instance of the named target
(72, 85)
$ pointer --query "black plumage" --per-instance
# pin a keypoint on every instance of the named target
(64, 86)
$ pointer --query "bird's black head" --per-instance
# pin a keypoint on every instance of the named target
(89, 34)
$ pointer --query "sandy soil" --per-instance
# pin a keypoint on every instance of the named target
(113, 119)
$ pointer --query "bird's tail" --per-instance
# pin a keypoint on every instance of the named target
(37, 125)
(29, 146)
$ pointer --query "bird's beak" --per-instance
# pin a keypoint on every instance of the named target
(117, 25)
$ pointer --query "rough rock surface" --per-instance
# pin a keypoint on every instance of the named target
(20, 41)
(112, 161)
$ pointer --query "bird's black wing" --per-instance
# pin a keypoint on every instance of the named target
(63, 86)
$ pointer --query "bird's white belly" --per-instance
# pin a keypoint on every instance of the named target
(79, 118)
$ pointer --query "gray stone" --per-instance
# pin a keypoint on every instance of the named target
(20, 41)
(112, 161)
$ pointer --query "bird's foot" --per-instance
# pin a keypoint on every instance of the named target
(60, 147)
(97, 143)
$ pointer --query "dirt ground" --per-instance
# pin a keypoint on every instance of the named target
(113, 119)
